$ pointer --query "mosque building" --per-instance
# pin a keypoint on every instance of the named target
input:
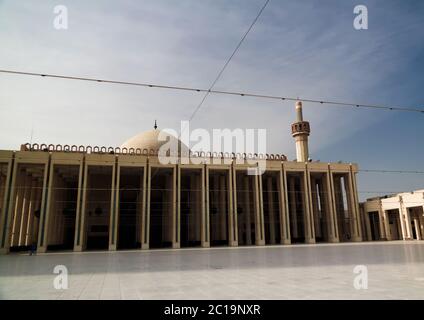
(61, 197)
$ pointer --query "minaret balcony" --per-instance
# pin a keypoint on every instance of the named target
(300, 128)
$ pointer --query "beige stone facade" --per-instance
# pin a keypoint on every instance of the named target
(394, 217)
(79, 198)
(82, 200)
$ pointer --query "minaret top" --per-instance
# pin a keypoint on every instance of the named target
(155, 126)
(299, 114)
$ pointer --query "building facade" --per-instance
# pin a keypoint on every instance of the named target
(80, 198)
(394, 217)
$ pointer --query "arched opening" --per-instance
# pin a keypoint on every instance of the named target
(344, 214)
(246, 208)
(297, 211)
(271, 194)
(26, 206)
(321, 207)
(98, 206)
(161, 207)
(63, 207)
(394, 224)
(374, 225)
(218, 207)
(130, 207)
(190, 207)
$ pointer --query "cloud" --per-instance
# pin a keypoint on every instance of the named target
(296, 49)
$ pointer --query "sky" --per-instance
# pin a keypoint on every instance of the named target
(304, 48)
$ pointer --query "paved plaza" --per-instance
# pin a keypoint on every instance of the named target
(323, 271)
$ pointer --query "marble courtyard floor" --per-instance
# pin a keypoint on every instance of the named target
(323, 271)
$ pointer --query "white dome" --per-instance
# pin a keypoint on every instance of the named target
(150, 140)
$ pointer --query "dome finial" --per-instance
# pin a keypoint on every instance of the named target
(155, 126)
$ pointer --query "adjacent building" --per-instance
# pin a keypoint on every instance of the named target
(394, 217)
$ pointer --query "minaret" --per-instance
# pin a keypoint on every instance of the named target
(300, 132)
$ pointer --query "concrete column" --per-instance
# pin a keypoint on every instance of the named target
(204, 211)
(46, 195)
(340, 211)
(331, 198)
(176, 227)
(381, 219)
(402, 222)
(350, 208)
(222, 208)
(284, 208)
(354, 205)
(189, 195)
(327, 208)
(235, 222)
(45, 223)
(51, 227)
(421, 220)
(315, 208)
(80, 231)
(406, 220)
(52, 231)
(25, 214)
(232, 221)
(205, 208)
(199, 205)
(215, 200)
(272, 220)
(240, 212)
(114, 207)
(6, 209)
(14, 241)
(399, 227)
(256, 208)
(146, 215)
(293, 209)
(387, 225)
(139, 208)
(30, 213)
(247, 213)
(261, 210)
(417, 228)
(259, 221)
(197, 229)
(306, 199)
(193, 208)
(79, 208)
(144, 226)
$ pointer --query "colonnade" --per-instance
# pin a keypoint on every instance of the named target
(291, 202)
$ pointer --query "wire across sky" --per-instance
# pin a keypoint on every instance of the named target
(221, 92)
